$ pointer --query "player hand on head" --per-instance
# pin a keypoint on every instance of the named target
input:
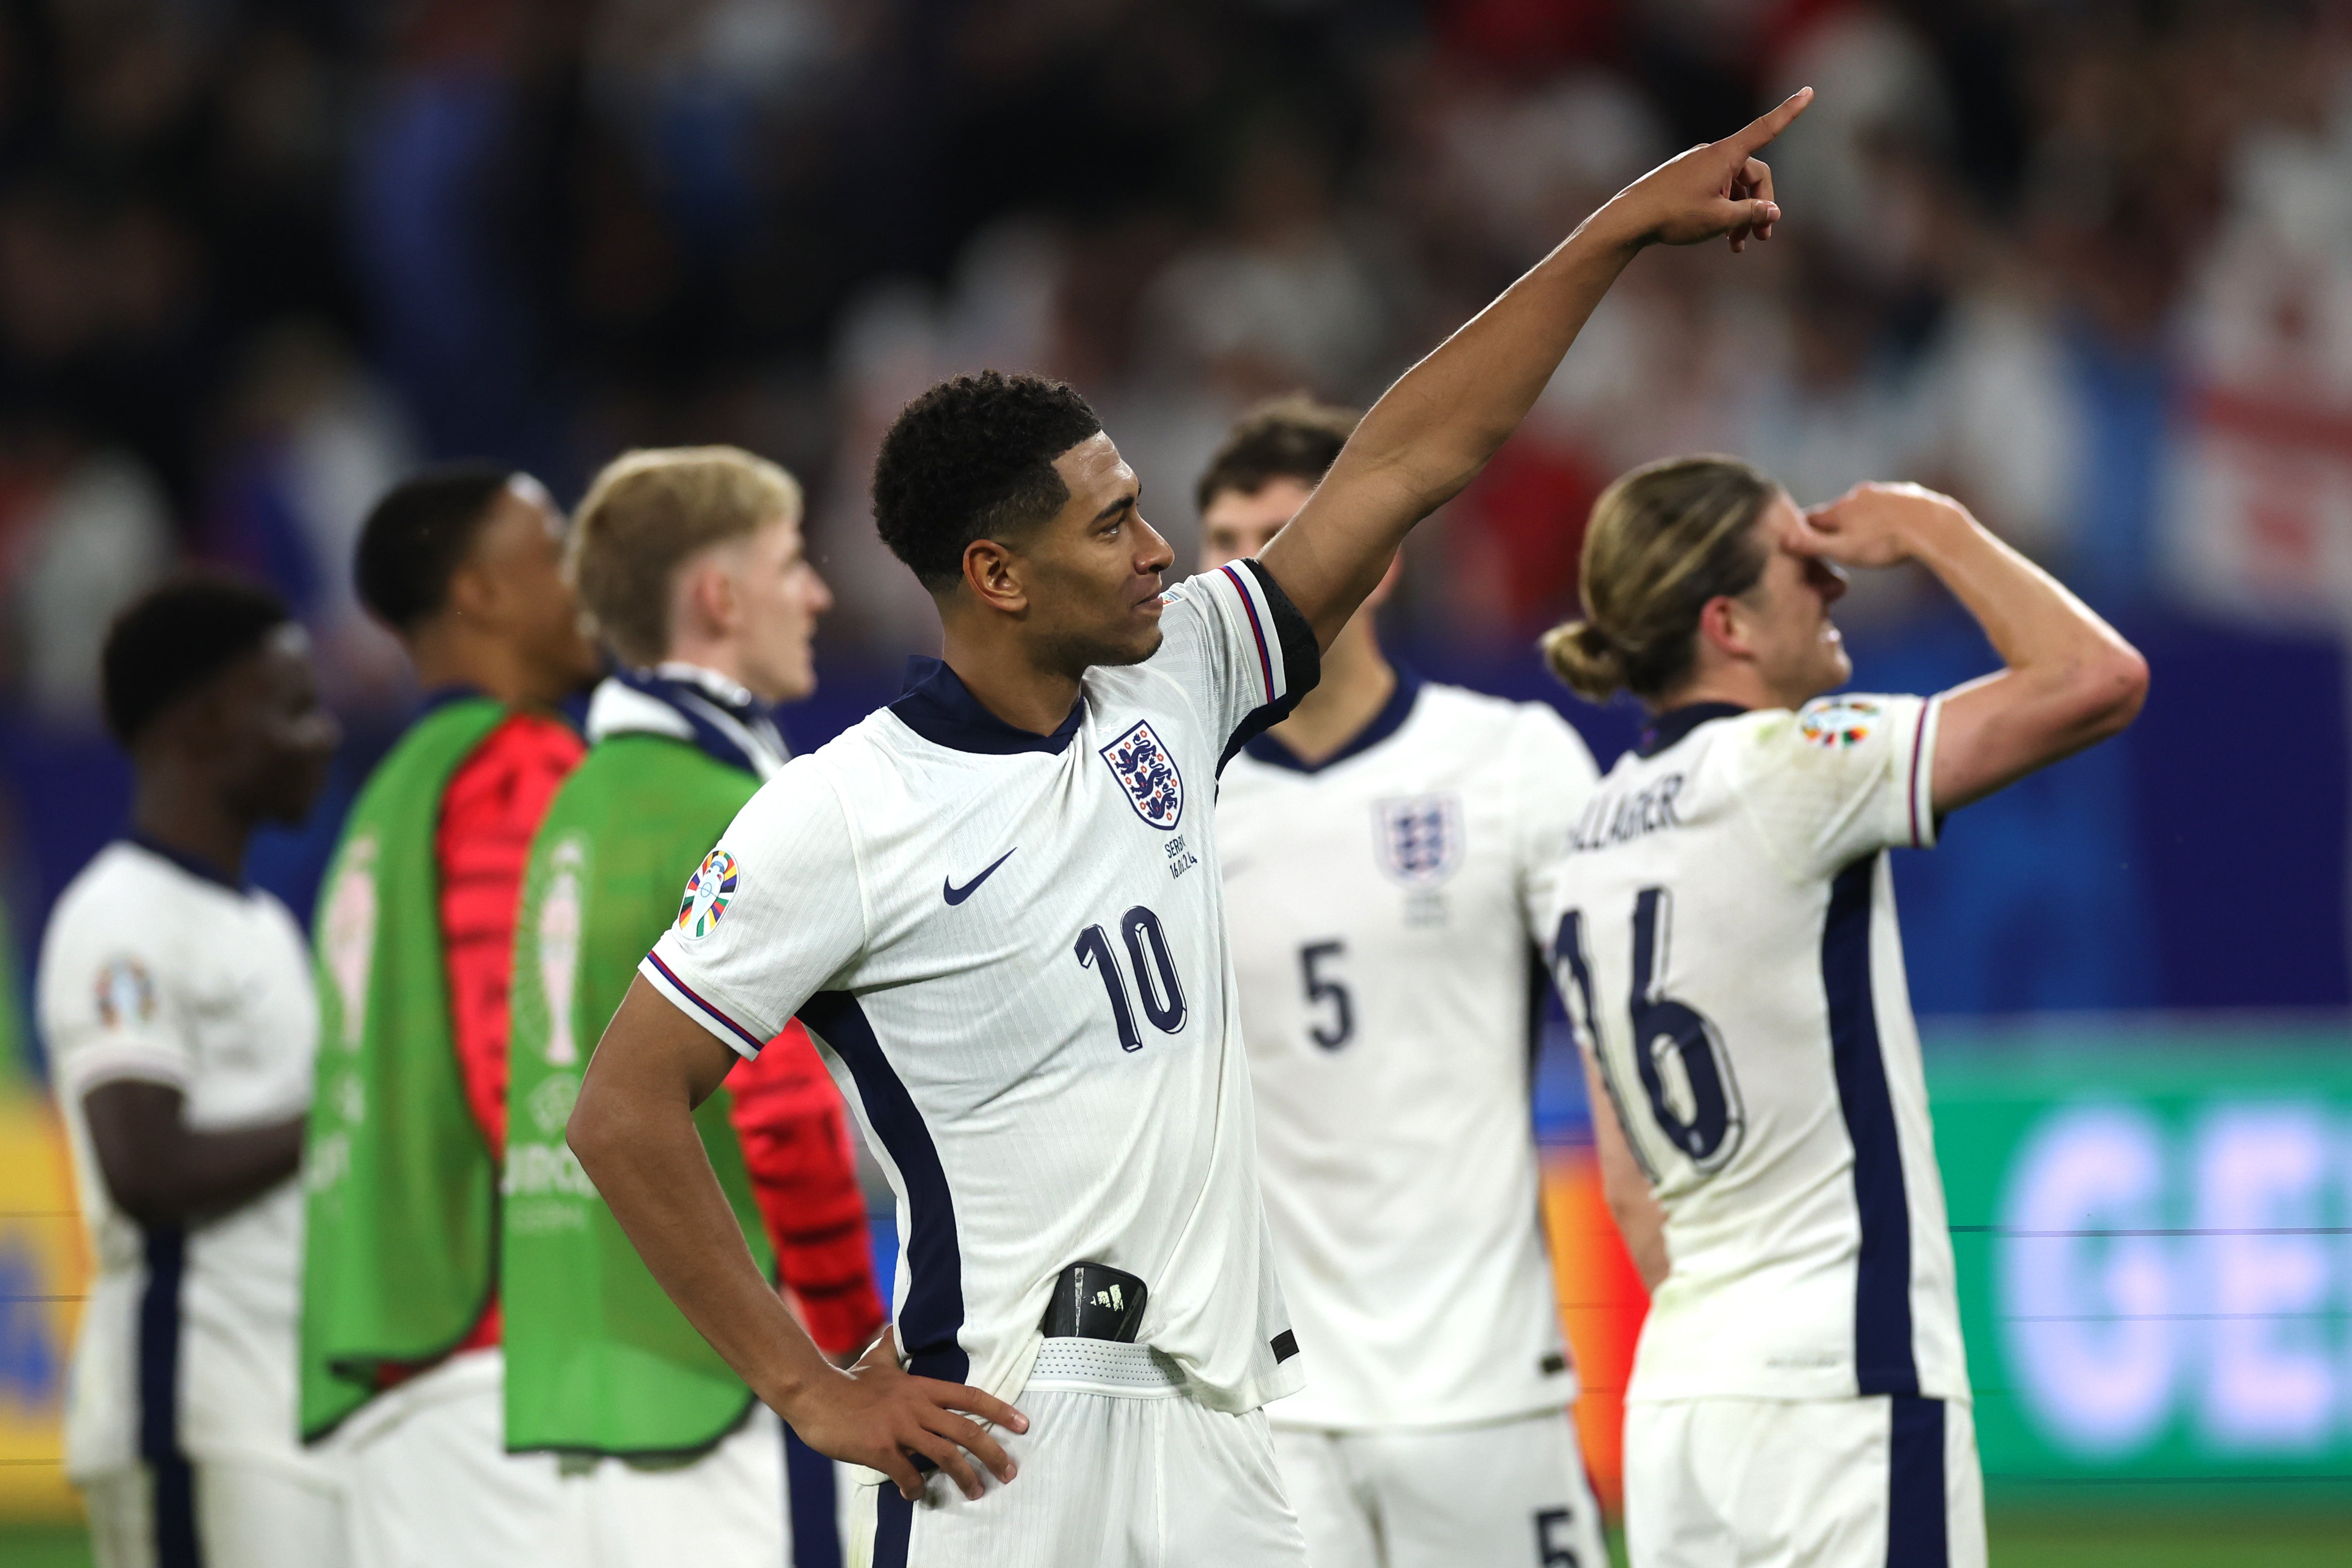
(883, 1417)
(1874, 524)
(1715, 188)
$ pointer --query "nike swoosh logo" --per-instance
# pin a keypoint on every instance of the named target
(954, 894)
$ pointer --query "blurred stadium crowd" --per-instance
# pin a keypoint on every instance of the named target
(2085, 264)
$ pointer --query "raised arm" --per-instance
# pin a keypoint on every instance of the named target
(2070, 680)
(632, 1129)
(1432, 431)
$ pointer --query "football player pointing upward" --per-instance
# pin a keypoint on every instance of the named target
(996, 906)
(1727, 942)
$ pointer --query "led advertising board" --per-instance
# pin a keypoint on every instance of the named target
(2154, 1234)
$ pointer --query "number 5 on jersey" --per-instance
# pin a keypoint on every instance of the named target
(1162, 993)
(1684, 1070)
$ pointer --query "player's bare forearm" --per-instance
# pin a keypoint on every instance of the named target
(632, 1129)
(1431, 432)
(1641, 1223)
(2070, 679)
(161, 1171)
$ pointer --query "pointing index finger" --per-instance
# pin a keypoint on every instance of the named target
(1759, 131)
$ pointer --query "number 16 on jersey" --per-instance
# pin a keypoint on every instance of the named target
(1686, 1072)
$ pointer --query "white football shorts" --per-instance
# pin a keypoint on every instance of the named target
(1119, 1469)
(430, 1482)
(255, 1514)
(724, 1509)
(1512, 1491)
(1889, 1481)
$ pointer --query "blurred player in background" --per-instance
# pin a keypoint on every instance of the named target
(415, 937)
(1383, 848)
(691, 563)
(177, 1008)
(1727, 938)
(993, 907)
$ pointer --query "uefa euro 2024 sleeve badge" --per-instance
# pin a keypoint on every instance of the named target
(707, 895)
(1149, 775)
(125, 994)
(1837, 722)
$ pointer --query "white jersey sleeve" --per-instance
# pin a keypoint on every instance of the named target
(1241, 652)
(1552, 776)
(1841, 777)
(110, 1005)
(776, 912)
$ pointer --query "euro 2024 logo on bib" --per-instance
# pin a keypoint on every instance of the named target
(707, 893)
(1838, 722)
(1143, 768)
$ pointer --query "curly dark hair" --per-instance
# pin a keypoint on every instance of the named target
(1291, 437)
(973, 458)
(173, 639)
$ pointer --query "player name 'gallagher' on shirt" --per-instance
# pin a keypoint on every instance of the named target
(1012, 949)
(1724, 936)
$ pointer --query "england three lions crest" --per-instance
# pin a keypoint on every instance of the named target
(1421, 839)
(1143, 767)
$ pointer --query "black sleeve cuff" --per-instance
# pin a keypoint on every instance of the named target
(1302, 662)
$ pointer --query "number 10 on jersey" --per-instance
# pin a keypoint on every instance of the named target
(1155, 975)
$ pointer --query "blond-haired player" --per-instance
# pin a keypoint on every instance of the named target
(1724, 931)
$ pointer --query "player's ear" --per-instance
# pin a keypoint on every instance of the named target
(1722, 625)
(706, 598)
(476, 594)
(992, 574)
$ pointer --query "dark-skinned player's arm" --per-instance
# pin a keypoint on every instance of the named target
(160, 1171)
(1432, 431)
(2069, 679)
(633, 1130)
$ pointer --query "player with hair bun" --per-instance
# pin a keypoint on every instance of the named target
(1724, 932)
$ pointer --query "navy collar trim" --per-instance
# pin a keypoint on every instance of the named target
(1669, 727)
(709, 711)
(1393, 713)
(202, 869)
(940, 708)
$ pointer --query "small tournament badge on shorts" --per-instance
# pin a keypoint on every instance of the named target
(707, 893)
(1143, 768)
(1838, 722)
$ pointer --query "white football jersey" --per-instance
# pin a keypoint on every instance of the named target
(1387, 929)
(1012, 948)
(154, 969)
(1725, 934)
